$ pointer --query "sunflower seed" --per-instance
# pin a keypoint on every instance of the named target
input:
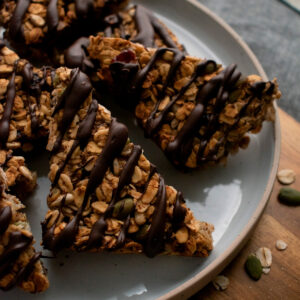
(281, 245)
(221, 283)
(286, 176)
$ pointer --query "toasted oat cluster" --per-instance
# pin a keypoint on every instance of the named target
(197, 111)
(41, 21)
(19, 262)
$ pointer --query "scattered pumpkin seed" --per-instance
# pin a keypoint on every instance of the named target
(123, 208)
(281, 245)
(253, 267)
(264, 254)
(286, 176)
(221, 283)
(289, 196)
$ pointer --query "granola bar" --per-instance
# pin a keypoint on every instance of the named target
(196, 111)
(105, 194)
(135, 23)
(19, 262)
(41, 23)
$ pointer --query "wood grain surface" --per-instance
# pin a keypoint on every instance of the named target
(278, 222)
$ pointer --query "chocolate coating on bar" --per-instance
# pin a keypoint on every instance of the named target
(155, 236)
(5, 218)
(10, 98)
(75, 55)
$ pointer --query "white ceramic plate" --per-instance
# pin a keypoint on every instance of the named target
(231, 197)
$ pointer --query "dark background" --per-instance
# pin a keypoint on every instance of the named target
(272, 30)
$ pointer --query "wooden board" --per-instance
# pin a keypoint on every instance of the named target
(278, 222)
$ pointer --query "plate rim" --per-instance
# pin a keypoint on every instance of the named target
(196, 283)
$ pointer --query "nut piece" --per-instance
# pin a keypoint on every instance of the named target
(182, 235)
(281, 245)
(266, 270)
(286, 176)
(265, 256)
(221, 283)
(253, 267)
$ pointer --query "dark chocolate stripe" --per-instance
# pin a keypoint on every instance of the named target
(146, 31)
(15, 26)
(155, 236)
(75, 94)
(10, 97)
(84, 7)
(52, 15)
(16, 245)
(179, 211)
(147, 25)
(5, 218)
(75, 55)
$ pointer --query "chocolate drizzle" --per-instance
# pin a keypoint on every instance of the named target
(84, 8)
(179, 211)
(52, 15)
(155, 236)
(5, 218)
(75, 55)
(74, 95)
(15, 26)
(147, 25)
(5, 120)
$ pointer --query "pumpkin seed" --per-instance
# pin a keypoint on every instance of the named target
(253, 267)
(123, 208)
(289, 196)
(220, 283)
(210, 67)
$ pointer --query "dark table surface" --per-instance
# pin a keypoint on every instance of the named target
(272, 30)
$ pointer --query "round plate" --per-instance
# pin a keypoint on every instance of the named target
(231, 197)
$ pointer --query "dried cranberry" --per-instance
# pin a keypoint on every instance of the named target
(126, 56)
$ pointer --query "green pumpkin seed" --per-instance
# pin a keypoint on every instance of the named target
(234, 95)
(253, 267)
(289, 196)
(142, 233)
(123, 208)
(210, 67)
